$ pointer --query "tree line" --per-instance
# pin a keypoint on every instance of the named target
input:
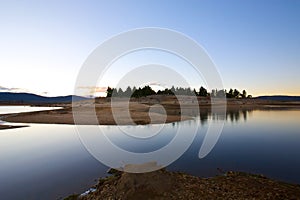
(147, 91)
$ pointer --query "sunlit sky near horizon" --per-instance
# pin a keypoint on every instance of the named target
(255, 44)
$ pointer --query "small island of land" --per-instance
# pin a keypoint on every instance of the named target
(145, 106)
(145, 110)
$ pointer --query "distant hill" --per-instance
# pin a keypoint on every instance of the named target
(9, 97)
(279, 98)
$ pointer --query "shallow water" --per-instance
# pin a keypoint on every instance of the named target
(50, 161)
(19, 109)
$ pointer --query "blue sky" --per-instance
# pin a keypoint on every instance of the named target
(255, 44)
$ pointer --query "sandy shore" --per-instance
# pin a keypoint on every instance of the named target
(86, 115)
(147, 110)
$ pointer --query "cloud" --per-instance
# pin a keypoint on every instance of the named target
(92, 90)
(21, 90)
(6, 89)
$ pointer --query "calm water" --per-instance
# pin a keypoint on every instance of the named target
(49, 161)
(18, 109)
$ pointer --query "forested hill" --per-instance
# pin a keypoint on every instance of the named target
(9, 97)
(279, 98)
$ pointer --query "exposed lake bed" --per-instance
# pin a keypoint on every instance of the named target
(146, 110)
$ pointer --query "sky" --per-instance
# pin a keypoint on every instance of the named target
(255, 44)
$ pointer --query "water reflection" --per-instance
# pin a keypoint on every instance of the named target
(237, 115)
(206, 113)
(232, 115)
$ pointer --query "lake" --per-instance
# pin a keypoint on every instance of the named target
(50, 162)
(19, 109)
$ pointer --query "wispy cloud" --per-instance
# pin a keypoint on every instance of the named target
(6, 89)
(92, 90)
(19, 90)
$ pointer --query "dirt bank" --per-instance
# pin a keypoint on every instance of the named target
(175, 185)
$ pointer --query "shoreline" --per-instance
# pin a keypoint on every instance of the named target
(5, 127)
(141, 111)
